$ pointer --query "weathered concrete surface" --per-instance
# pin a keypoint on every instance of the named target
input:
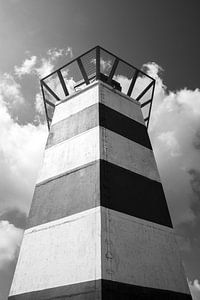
(102, 115)
(84, 148)
(68, 194)
(76, 103)
(139, 252)
(88, 290)
(128, 154)
(121, 103)
(95, 93)
(75, 124)
(133, 194)
(70, 154)
(98, 243)
(99, 183)
(102, 290)
(123, 125)
(59, 253)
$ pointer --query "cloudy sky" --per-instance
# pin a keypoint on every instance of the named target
(160, 36)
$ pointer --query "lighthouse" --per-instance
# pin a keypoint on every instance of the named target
(99, 225)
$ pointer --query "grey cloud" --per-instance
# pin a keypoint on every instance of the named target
(195, 184)
(196, 141)
(15, 217)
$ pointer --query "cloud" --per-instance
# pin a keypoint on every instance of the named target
(33, 65)
(20, 156)
(42, 66)
(10, 238)
(39, 104)
(20, 148)
(55, 53)
(195, 289)
(105, 65)
(26, 67)
(195, 184)
(14, 216)
(47, 64)
(10, 90)
(170, 141)
(10, 242)
(45, 68)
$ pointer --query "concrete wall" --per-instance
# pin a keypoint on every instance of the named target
(139, 252)
(70, 154)
(98, 206)
(94, 93)
(128, 154)
(59, 253)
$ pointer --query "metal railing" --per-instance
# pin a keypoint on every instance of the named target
(97, 64)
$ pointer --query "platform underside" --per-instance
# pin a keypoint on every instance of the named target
(102, 289)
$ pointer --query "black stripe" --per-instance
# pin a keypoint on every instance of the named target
(98, 114)
(102, 289)
(92, 185)
(122, 291)
(123, 125)
(133, 194)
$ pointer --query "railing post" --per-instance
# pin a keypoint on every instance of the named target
(97, 63)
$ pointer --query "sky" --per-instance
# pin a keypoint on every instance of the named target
(159, 36)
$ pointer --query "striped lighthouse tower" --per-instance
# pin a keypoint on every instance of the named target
(99, 226)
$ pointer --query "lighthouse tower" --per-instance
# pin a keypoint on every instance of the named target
(99, 225)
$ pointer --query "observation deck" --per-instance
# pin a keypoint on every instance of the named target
(97, 64)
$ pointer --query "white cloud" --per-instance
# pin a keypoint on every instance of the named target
(105, 65)
(42, 66)
(10, 90)
(10, 238)
(170, 141)
(39, 104)
(45, 68)
(124, 82)
(20, 155)
(26, 67)
(195, 289)
(55, 52)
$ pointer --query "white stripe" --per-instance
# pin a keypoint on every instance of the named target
(99, 243)
(128, 154)
(84, 148)
(121, 103)
(76, 103)
(140, 254)
(95, 93)
(70, 154)
(60, 253)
